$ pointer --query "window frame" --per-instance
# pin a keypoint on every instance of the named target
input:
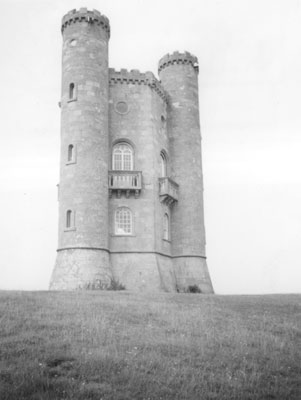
(122, 160)
(74, 92)
(166, 227)
(163, 164)
(69, 220)
(74, 152)
(116, 222)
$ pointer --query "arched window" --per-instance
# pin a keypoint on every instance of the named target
(166, 235)
(70, 152)
(69, 219)
(123, 221)
(71, 91)
(163, 164)
(123, 157)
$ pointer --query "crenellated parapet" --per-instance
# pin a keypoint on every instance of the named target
(83, 14)
(178, 58)
(135, 77)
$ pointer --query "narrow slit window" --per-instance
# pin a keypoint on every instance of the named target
(166, 227)
(69, 219)
(163, 166)
(70, 152)
(71, 91)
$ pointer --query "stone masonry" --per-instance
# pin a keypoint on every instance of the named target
(131, 186)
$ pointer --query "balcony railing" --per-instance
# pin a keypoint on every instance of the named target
(125, 182)
(168, 190)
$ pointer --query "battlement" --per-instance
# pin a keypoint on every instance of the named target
(178, 58)
(83, 14)
(136, 77)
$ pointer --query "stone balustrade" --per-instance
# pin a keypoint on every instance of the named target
(125, 182)
(168, 190)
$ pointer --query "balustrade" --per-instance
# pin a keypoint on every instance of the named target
(168, 190)
(125, 181)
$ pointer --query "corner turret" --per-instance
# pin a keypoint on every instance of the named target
(178, 58)
(83, 248)
(179, 77)
(83, 14)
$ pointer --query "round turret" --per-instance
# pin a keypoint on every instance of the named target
(83, 14)
(178, 58)
(178, 73)
(83, 254)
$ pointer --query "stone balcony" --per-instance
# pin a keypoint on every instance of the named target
(126, 182)
(168, 190)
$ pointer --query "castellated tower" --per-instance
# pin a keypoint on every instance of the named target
(83, 252)
(131, 190)
(179, 77)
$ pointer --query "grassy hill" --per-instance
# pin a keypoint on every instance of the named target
(121, 345)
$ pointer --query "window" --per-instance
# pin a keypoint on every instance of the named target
(70, 152)
(166, 227)
(163, 166)
(123, 221)
(69, 219)
(71, 91)
(123, 157)
(163, 125)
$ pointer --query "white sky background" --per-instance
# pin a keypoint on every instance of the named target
(250, 90)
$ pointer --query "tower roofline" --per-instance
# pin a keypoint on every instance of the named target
(83, 14)
(178, 58)
(139, 78)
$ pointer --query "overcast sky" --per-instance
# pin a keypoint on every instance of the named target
(250, 88)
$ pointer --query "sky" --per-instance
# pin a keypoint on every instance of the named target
(249, 90)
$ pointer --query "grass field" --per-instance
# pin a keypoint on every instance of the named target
(121, 345)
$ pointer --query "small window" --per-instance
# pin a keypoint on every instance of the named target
(123, 221)
(72, 91)
(163, 124)
(123, 157)
(70, 152)
(163, 166)
(166, 234)
(69, 219)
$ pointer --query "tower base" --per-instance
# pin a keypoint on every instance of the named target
(153, 272)
(138, 272)
(81, 269)
(144, 272)
(190, 271)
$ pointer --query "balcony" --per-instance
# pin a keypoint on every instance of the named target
(168, 190)
(126, 182)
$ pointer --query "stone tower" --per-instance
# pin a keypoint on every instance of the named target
(179, 77)
(131, 189)
(83, 252)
